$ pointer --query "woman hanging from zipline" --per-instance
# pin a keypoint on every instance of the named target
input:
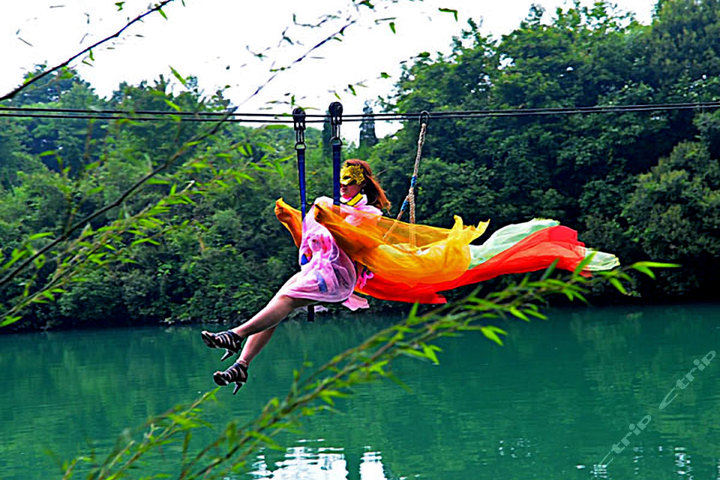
(352, 248)
(327, 274)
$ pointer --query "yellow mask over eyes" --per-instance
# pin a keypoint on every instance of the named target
(352, 174)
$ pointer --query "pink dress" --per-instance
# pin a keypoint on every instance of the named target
(329, 275)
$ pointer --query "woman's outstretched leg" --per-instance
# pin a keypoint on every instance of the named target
(273, 313)
(254, 344)
(258, 331)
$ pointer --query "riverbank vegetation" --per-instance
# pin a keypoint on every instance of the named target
(131, 221)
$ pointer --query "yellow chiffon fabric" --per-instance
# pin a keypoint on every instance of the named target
(409, 254)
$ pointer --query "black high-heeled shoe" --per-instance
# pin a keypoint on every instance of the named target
(229, 340)
(237, 372)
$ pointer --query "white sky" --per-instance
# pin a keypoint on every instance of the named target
(212, 39)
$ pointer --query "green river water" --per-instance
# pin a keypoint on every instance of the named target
(591, 393)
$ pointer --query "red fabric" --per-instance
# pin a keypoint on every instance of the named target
(536, 252)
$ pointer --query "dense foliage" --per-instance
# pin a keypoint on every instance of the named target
(641, 184)
(226, 256)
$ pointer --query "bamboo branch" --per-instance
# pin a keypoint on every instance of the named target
(57, 67)
(117, 202)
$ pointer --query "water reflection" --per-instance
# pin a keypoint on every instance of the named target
(319, 463)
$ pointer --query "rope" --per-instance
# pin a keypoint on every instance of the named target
(413, 180)
(410, 197)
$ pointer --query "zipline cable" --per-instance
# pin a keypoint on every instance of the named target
(284, 118)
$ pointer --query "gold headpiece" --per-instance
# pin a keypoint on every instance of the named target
(350, 174)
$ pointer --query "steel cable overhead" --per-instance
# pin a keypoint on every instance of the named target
(286, 118)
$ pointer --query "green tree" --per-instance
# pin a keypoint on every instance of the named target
(46, 90)
(13, 155)
(681, 49)
(577, 168)
(61, 142)
(368, 139)
(674, 214)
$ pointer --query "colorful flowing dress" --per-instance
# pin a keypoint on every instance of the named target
(326, 273)
(415, 263)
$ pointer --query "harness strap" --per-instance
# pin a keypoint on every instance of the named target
(335, 110)
(299, 126)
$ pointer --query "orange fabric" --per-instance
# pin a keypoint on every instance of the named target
(407, 254)
(536, 252)
(291, 218)
(416, 262)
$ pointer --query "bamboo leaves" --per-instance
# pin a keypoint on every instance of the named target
(321, 390)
